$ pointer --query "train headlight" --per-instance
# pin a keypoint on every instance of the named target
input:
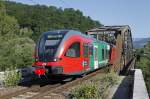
(36, 59)
(56, 59)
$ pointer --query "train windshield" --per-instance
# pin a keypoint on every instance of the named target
(48, 45)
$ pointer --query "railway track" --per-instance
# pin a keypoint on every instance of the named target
(65, 87)
(29, 92)
(37, 92)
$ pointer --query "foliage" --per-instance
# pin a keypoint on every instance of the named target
(16, 47)
(12, 78)
(16, 53)
(2, 8)
(86, 91)
(96, 88)
(8, 26)
(25, 32)
(143, 62)
(40, 18)
(20, 22)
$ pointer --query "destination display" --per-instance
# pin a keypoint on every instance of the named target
(59, 36)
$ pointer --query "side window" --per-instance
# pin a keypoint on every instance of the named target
(102, 54)
(73, 50)
(91, 49)
(109, 53)
(95, 52)
(85, 50)
(106, 53)
(94, 36)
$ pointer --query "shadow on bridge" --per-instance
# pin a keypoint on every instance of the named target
(125, 89)
(128, 67)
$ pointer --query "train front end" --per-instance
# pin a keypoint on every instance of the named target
(46, 60)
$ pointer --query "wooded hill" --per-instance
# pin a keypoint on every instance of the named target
(41, 18)
(20, 24)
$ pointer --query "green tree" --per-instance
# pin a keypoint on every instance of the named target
(9, 26)
(40, 18)
(2, 8)
(17, 52)
(16, 48)
(25, 32)
(143, 62)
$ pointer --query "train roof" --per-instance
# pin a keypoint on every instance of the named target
(69, 32)
(60, 31)
(66, 32)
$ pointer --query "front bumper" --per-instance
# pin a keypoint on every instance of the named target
(47, 70)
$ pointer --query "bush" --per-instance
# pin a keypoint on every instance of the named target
(86, 91)
(16, 48)
(12, 78)
(97, 87)
(16, 52)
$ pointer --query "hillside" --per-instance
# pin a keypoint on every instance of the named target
(16, 48)
(41, 18)
(140, 42)
(20, 24)
(143, 62)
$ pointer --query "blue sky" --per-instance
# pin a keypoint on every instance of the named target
(135, 13)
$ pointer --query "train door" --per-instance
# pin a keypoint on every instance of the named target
(95, 56)
(103, 54)
(100, 54)
(72, 59)
(107, 52)
(91, 48)
(85, 62)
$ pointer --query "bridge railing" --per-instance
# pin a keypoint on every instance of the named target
(139, 90)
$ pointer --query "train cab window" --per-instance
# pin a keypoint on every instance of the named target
(85, 50)
(40, 46)
(73, 50)
(51, 42)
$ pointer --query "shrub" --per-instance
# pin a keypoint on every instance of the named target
(86, 91)
(12, 78)
(16, 52)
(97, 87)
(16, 48)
